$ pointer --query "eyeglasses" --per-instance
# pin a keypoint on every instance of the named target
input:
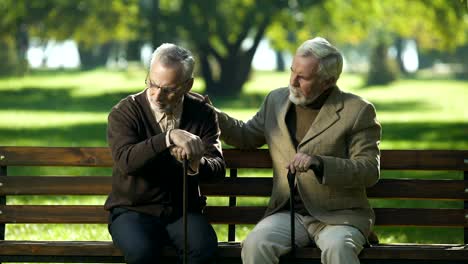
(167, 89)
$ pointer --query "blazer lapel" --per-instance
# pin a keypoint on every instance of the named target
(283, 110)
(327, 116)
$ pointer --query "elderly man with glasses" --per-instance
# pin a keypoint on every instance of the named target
(149, 133)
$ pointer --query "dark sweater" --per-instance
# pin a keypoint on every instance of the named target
(299, 119)
(146, 178)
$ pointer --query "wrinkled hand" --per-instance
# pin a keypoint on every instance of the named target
(191, 145)
(301, 163)
(179, 154)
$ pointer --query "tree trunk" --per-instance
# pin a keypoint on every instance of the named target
(460, 58)
(133, 50)
(382, 69)
(94, 57)
(234, 72)
(235, 68)
(22, 45)
(206, 71)
(280, 63)
(160, 32)
(8, 56)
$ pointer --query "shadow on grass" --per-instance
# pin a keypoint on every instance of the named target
(32, 98)
(401, 106)
(87, 135)
(425, 132)
(62, 100)
(96, 132)
(254, 100)
(243, 101)
(39, 98)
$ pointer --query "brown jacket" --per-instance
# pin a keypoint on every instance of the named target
(345, 135)
(145, 177)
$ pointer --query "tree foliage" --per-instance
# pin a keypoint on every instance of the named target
(224, 34)
(91, 23)
(434, 24)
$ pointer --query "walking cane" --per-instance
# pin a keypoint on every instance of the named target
(291, 178)
(184, 210)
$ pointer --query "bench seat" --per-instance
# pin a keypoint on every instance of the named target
(104, 251)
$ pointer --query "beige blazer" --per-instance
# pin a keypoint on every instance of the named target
(345, 134)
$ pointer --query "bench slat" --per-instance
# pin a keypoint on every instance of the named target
(225, 215)
(229, 250)
(384, 216)
(70, 248)
(385, 188)
(419, 189)
(248, 187)
(56, 156)
(55, 185)
(100, 157)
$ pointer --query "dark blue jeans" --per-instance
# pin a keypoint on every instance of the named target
(141, 237)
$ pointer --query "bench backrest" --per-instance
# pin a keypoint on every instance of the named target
(232, 187)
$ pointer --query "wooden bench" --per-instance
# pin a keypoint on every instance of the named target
(230, 214)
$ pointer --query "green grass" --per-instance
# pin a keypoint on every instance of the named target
(70, 109)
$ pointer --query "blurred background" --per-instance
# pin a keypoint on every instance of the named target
(64, 64)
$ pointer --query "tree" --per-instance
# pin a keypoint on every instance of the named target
(435, 24)
(224, 34)
(13, 37)
(94, 24)
(91, 23)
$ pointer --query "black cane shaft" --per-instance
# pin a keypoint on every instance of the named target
(184, 210)
(291, 179)
(293, 231)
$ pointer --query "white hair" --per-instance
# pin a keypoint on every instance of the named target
(169, 55)
(330, 58)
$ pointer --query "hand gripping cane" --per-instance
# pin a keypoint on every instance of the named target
(291, 178)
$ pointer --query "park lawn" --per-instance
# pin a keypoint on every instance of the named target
(70, 109)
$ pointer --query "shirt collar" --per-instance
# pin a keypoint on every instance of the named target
(320, 100)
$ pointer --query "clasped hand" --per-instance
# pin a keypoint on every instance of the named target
(187, 146)
(301, 163)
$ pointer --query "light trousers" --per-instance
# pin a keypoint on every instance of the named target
(271, 238)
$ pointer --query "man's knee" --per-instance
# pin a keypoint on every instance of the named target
(344, 244)
(335, 250)
(204, 250)
(258, 241)
(140, 254)
(205, 253)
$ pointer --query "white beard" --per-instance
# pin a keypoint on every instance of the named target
(297, 98)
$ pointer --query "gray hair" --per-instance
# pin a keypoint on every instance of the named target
(169, 55)
(330, 58)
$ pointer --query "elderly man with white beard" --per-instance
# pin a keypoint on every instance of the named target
(330, 139)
